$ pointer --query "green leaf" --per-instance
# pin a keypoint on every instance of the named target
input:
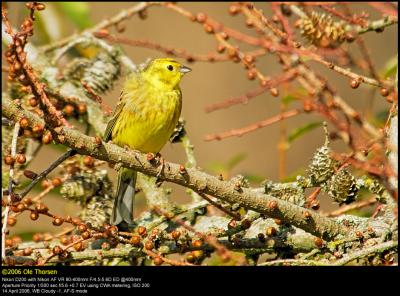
(217, 167)
(77, 12)
(286, 100)
(254, 178)
(59, 147)
(298, 132)
(235, 160)
(361, 213)
(26, 236)
(225, 168)
(305, 58)
(292, 177)
(5, 178)
(390, 67)
(380, 118)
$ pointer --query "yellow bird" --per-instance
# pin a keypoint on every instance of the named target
(144, 119)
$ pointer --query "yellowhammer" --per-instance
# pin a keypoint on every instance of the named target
(144, 119)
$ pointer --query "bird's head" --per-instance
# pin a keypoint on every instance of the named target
(164, 73)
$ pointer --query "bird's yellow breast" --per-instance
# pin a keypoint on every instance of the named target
(147, 119)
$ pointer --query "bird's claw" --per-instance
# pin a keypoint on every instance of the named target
(161, 170)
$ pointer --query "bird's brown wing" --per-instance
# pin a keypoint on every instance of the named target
(113, 120)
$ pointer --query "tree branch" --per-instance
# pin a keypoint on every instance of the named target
(10, 189)
(123, 15)
(192, 178)
(366, 252)
(47, 171)
(241, 131)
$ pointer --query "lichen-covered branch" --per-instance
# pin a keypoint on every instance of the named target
(10, 189)
(380, 248)
(192, 178)
(377, 25)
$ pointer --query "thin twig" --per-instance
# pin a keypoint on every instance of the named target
(354, 19)
(302, 51)
(363, 48)
(121, 16)
(253, 127)
(47, 171)
(177, 52)
(273, 82)
(353, 206)
(292, 262)
(63, 250)
(244, 99)
(284, 21)
(221, 250)
(338, 69)
(313, 196)
(10, 190)
(376, 170)
(221, 208)
(366, 252)
(383, 8)
(42, 194)
(166, 260)
(107, 109)
(61, 233)
(37, 87)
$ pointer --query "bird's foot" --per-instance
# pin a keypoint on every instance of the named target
(161, 161)
(150, 157)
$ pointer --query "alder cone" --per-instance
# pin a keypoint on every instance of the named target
(322, 31)
(322, 165)
(343, 187)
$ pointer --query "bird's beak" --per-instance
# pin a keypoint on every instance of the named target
(184, 69)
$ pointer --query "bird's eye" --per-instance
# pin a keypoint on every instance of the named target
(170, 67)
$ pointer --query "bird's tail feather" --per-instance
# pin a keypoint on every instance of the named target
(124, 200)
